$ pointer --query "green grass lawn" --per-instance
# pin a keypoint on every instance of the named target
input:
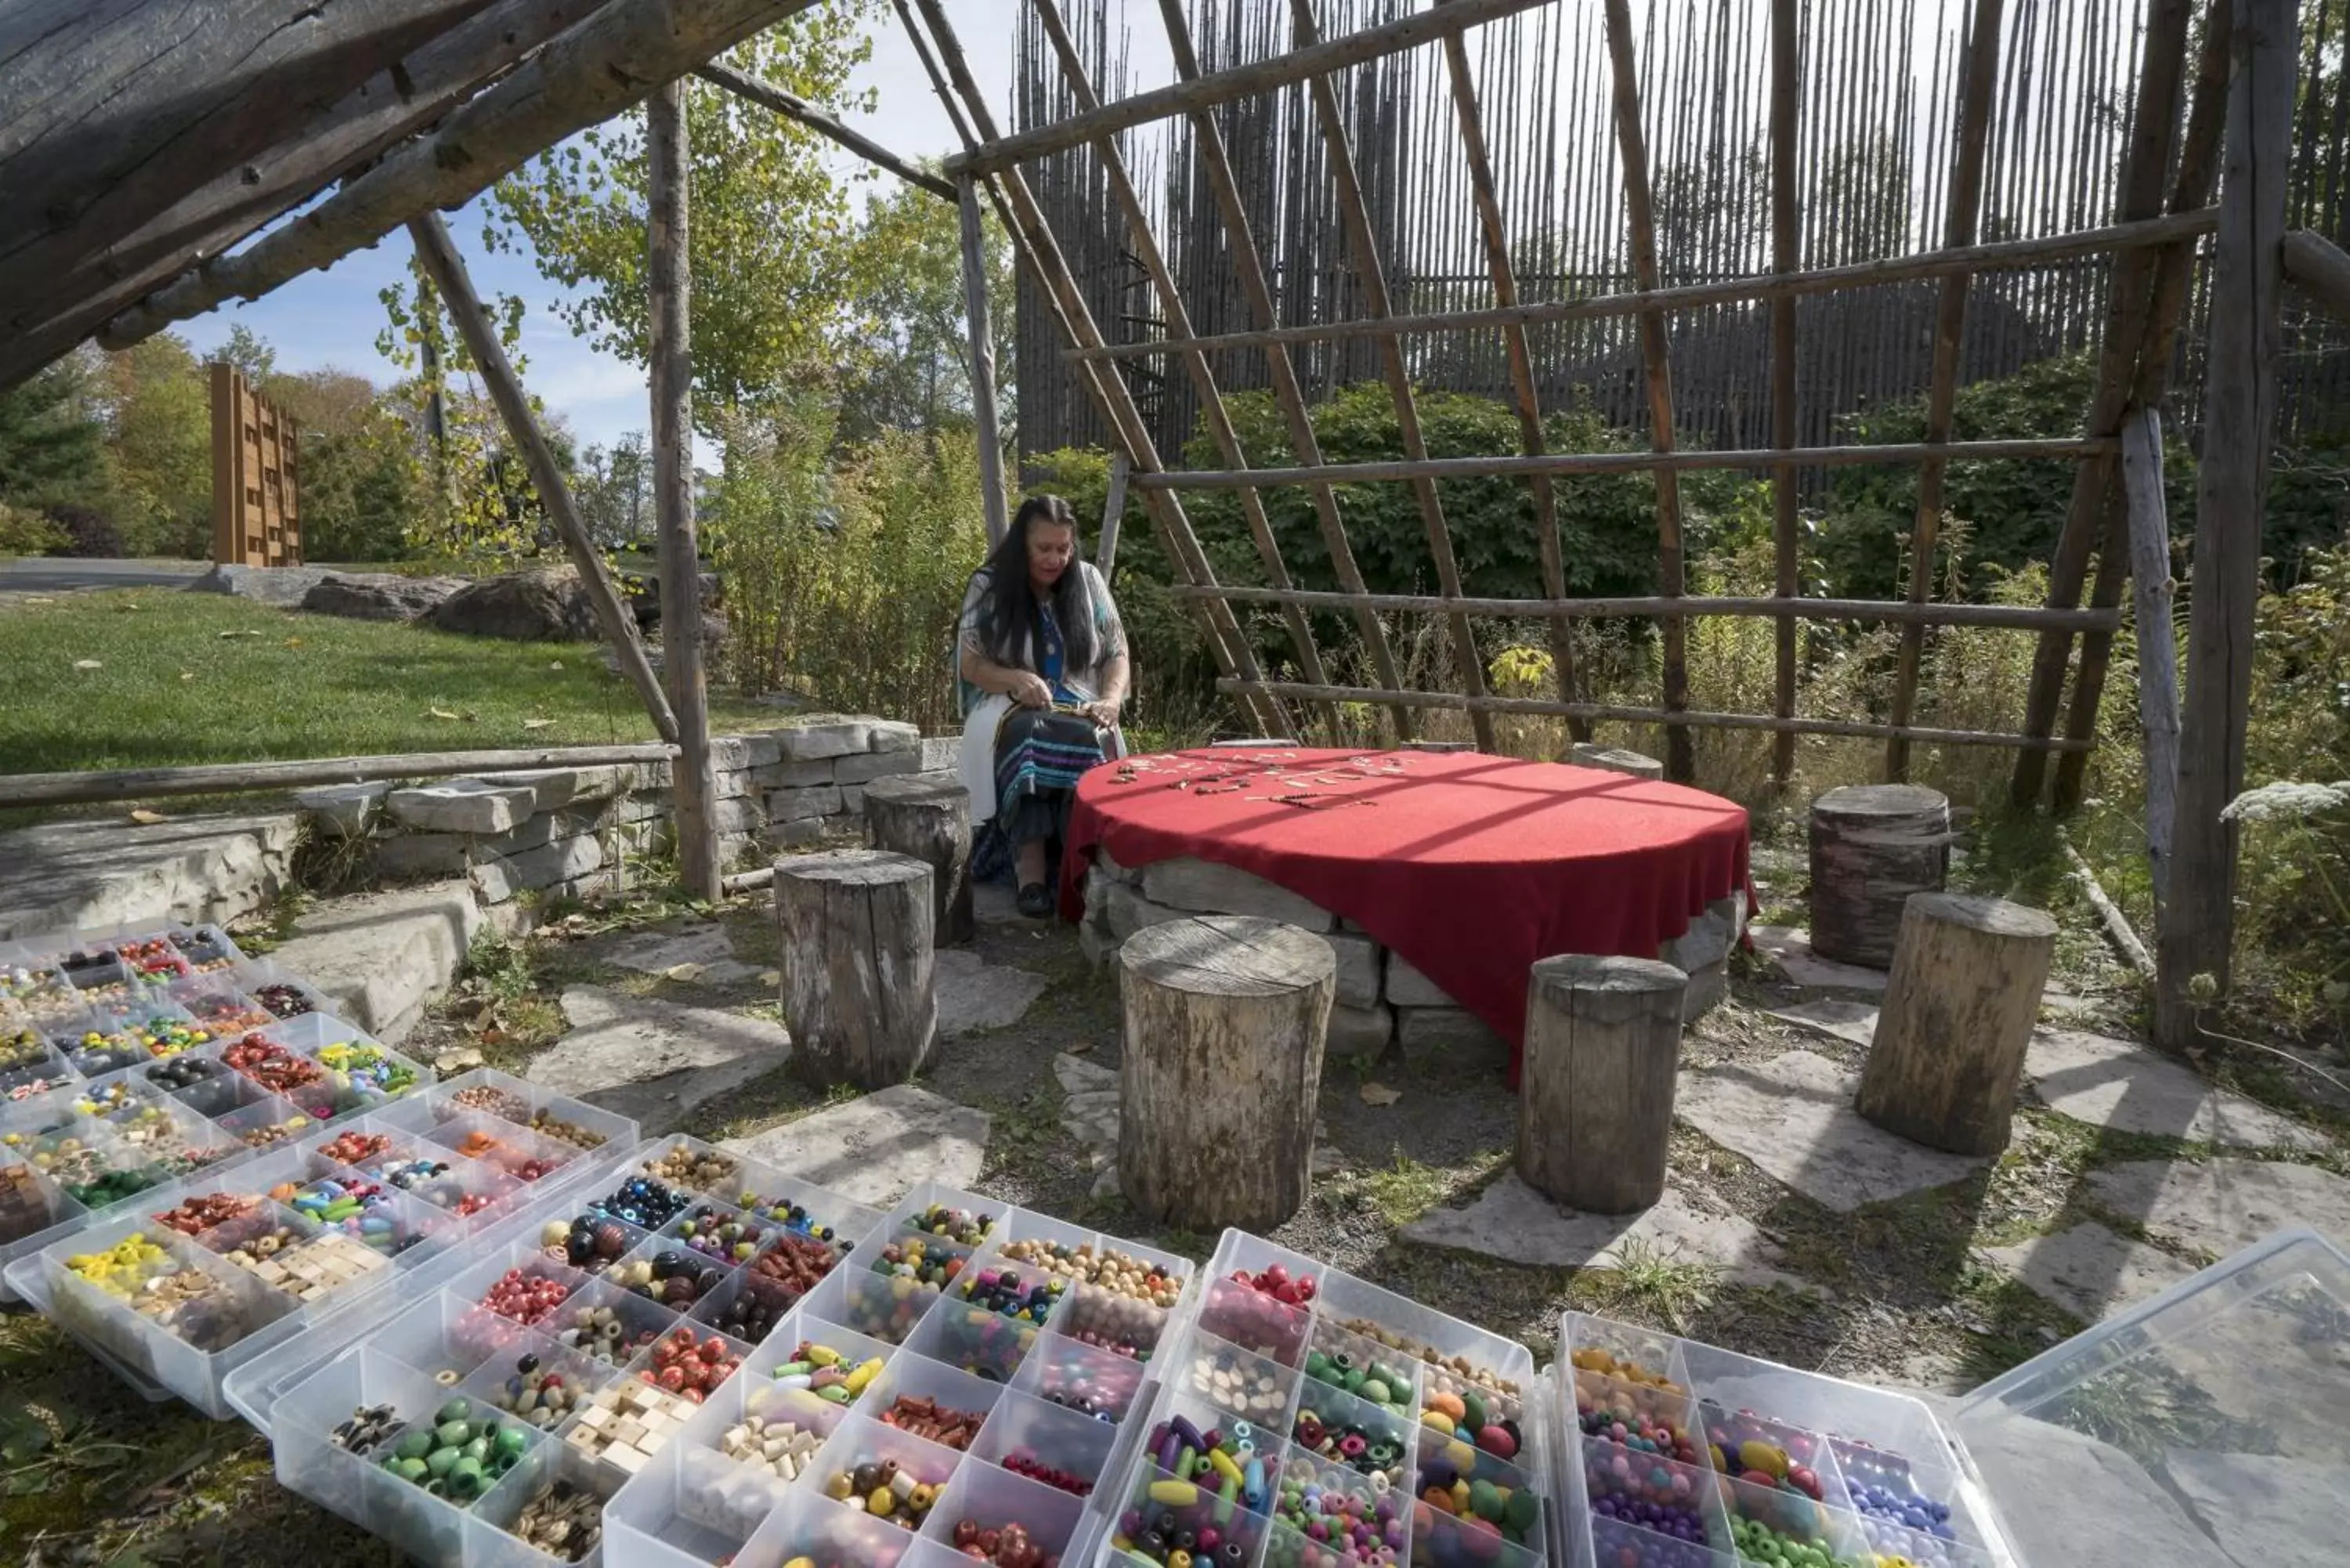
(198, 677)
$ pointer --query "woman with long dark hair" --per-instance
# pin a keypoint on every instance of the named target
(1042, 658)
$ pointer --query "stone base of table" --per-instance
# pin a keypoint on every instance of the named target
(1382, 1001)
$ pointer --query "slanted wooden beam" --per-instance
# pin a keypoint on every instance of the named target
(1248, 265)
(1978, 87)
(1030, 231)
(1170, 302)
(73, 285)
(1197, 93)
(668, 213)
(2128, 325)
(799, 112)
(1787, 257)
(1362, 242)
(984, 417)
(585, 76)
(2319, 268)
(2173, 267)
(110, 113)
(2157, 646)
(1632, 152)
(1113, 513)
(439, 254)
(2245, 341)
(1524, 393)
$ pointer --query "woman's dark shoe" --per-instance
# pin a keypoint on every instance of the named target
(1036, 901)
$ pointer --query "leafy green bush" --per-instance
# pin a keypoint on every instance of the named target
(844, 580)
(24, 533)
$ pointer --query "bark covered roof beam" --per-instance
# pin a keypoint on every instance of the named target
(590, 74)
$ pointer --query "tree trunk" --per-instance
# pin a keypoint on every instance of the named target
(929, 820)
(1224, 1023)
(1872, 847)
(1595, 1091)
(858, 992)
(1959, 1013)
(668, 312)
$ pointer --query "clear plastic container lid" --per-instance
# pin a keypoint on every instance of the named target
(2210, 1425)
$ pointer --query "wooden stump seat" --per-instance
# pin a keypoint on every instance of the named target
(1595, 1088)
(859, 992)
(1958, 1015)
(1222, 1061)
(1872, 847)
(927, 818)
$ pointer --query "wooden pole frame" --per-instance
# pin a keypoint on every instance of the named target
(1656, 358)
(1029, 230)
(1856, 727)
(446, 268)
(1355, 218)
(799, 112)
(986, 419)
(1981, 81)
(2245, 342)
(1170, 300)
(2149, 234)
(2128, 325)
(1248, 264)
(1787, 257)
(668, 276)
(1524, 395)
(2174, 266)
(228, 778)
(2026, 618)
(2157, 646)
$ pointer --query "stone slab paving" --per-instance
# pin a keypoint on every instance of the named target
(1852, 1021)
(60, 875)
(2222, 1206)
(1512, 1222)
(2072, 1500)
(381, 957)
(698, 953)
(1793, 1117)
(874, 1148)
(974, 994)
(1791, 947)
(2090, 1271)
(2130, 1088)
(2265, 1511)
(654, 1061)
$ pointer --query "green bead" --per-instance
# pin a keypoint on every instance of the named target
(454, 1434)
(1374, 1391)
(1317, 1366)
(511, 1440)
(457, 1409)
(1485, 1500)
(414, 1444)
(440, 1460)
(1475, 1417)
(476, 1449)
(1522, 1511)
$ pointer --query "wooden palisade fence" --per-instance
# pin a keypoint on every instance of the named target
(257, 477)
(1285, 85)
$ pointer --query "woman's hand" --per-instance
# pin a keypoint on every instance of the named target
(1030, 690)
(1104, 713)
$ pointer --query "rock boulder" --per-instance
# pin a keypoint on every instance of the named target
(547, 605)
(378, 596)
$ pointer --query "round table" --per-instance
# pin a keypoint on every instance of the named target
(1470, 867)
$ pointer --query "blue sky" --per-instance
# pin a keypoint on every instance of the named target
(331, 318)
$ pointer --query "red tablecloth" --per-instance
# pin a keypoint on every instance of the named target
(1471, 867)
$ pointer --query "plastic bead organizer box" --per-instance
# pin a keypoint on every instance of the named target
(635, 1351)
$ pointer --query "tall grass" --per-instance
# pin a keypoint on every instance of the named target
(845, 575)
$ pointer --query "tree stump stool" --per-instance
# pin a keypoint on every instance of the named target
(1223, 1059)
(1595, 1085)
(1615, 760)
(1873, 845)
(928, 818)
(859, 992)
(1958, 1015)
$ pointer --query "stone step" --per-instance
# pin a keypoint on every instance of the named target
(874, 1148)
(63, 875)
(382, 957)
(655, 1062)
